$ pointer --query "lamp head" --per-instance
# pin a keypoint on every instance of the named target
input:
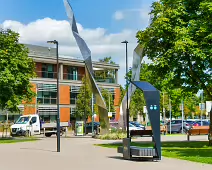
(52, 42)
(125, 42)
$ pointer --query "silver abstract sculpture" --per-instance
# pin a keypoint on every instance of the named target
(86, 53)
(136, 66)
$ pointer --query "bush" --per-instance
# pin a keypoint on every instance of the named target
(114, 135)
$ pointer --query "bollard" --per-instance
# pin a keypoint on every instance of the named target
(44, 131)
(66, 132)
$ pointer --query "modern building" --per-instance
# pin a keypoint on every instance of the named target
(71, 72)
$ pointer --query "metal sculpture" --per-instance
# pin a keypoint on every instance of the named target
(152, 98)
(86, 53)
(136, 66)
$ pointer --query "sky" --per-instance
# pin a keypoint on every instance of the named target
(102, 24)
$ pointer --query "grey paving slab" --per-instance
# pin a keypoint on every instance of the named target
(78, 154)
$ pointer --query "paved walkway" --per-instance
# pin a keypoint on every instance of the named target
(78, 154)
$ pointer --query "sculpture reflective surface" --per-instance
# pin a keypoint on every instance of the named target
(136, 66)
(152, 98)
(86, 53)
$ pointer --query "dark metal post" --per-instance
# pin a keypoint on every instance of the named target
(127, 110)
(85, 104)
(58, 101)
(58, 95)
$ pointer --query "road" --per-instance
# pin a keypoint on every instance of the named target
(79, 154)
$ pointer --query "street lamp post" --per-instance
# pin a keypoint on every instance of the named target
(127, 110)
(58, 96)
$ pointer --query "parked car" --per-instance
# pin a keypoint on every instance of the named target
(176, 126)
(96, 128)
(133, 127)
(138, 125)
(191, 122)
(204, 123)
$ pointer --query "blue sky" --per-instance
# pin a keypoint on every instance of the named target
(99, 11)
(109, 22)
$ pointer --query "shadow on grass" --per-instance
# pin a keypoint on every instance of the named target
(177, 144)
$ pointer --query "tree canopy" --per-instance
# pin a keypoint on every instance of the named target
(108, 100)
(179, 42)
(16, 70)
(83, 103)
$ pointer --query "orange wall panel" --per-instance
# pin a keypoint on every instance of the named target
(90, 119)
(117, 113)
(64, 114)
(34, 99)
(117, 97)
(64, 94)
(29, 109)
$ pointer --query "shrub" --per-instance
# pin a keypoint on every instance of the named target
(114, 135)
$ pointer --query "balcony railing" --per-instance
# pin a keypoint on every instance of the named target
(44, 100)
(77, 77)
(105, 79)
(68, 76)
(47, 74)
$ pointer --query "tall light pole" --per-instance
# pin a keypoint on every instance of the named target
(58, 96)
(201, 106)
(164, 110)
(170, 115)
(182, 115)
(127, 110)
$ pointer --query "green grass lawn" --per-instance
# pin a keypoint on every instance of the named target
(16, 140)
(196, 151)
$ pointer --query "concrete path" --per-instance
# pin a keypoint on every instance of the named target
(78, 154)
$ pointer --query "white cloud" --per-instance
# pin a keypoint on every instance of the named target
(118, 15)
(100, 42)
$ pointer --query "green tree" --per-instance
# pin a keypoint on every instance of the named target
(83, 103)
(108, 100)
(136, 104)
(107, 60)
(103, 74)
(16, 70)
(122, 93)
(178, 41)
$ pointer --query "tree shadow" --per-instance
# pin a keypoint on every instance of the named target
(134, 159)
(38, 149)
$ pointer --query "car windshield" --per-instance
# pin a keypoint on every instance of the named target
(22, 120)
(131, 125)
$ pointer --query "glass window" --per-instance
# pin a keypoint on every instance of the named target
(47, 70)
(74, 91)
(47, 94)
(73, 98)
(22, 120)
(34, 120)
(72, 73)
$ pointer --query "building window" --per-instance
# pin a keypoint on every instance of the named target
(47, 114)
(47, 94)
(72, 73)
(72, 114)
(47, 70)
(74, 91)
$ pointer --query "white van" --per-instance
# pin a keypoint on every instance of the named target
(30, 125)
